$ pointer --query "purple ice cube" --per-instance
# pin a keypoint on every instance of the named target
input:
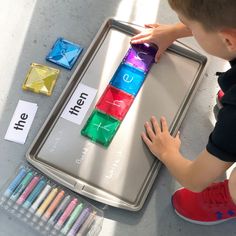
(141, 56)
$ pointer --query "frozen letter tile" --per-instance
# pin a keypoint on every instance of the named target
(41, 79)
(64, 53)
(100, 128)
(141, 56)
(128, 78)
(115, 102)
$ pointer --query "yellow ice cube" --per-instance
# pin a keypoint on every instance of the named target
(41, 79)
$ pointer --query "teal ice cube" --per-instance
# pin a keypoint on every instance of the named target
(128, 79)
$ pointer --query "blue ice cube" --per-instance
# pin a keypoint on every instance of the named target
(64, 53)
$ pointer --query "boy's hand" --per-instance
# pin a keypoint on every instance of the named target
(161, 35)
(159, 140)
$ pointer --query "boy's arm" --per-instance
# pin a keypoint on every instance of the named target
(195, 175)
(161, 35)
(182, 31)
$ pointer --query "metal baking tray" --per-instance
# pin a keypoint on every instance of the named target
(122, 174)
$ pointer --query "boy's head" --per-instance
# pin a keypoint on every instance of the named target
(212, 23)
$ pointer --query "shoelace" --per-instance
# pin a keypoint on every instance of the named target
(215, 195)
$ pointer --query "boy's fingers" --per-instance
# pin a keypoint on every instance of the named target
(151, 25)
(155, 124)
(177, 135)
(148, 26)
(141, 35)
(146, 139)
(157, 57)
(149, 131)
(158, 54)
(141, 40)
(164, 125)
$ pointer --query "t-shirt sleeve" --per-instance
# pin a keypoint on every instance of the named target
(222, 140)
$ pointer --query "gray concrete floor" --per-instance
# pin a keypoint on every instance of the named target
(28, 29)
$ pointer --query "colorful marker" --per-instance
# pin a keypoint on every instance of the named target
(29, 201)
(81, 219)
(59, 211)
(66, 214)
(34, 192)
(87, 225)
(40, 198)
(72, 218)
(28, 190)
(46, 202)
(53, 206)
(10, 189)
(20, 188)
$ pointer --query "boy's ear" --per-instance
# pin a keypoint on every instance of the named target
(229, 38)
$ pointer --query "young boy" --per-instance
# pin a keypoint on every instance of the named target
(201, 201)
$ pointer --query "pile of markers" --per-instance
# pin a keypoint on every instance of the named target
(48, 207)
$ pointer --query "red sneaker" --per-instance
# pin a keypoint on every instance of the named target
(211, 206)
(220, 94)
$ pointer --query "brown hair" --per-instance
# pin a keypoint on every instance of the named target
(212, 14)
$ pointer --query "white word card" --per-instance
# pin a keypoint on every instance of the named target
(21, 122)
(79, 104)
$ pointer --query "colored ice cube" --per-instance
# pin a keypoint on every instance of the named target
(141, 56)
(40, 79)
(115, 102)
(128, 78)
(64, 53)
(100, 128)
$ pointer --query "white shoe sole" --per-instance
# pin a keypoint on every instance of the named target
(202, 222)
